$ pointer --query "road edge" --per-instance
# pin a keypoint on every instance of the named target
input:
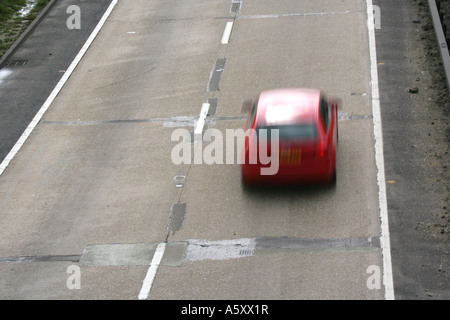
(37, 118)
(379, 159)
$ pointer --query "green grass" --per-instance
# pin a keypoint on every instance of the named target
(11, 24)
(9, 7)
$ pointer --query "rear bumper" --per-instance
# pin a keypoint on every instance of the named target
(318, 172)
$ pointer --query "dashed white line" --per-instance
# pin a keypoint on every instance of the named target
(201, 120)
(227, 32)
(379, 159)
(56, 90)
(151, 273)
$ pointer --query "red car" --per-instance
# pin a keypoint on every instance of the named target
(291, 137)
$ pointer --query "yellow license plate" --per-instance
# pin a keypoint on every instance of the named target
(290, 156)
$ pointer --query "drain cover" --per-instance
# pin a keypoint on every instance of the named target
(16, 63)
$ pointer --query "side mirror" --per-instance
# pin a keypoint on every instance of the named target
(246, 106)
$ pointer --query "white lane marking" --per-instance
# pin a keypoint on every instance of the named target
(227, 32)
(56, 90)
(379, 159)
(151, 272)
(201, 120)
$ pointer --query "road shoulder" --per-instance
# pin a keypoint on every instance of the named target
(414, 106)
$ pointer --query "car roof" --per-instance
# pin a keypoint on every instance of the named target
(288, 106)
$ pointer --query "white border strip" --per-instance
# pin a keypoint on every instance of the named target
(227, 32)
(56, 90)
(151, 273)
(379, 159)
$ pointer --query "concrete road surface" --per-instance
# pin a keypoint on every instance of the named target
(94, 207)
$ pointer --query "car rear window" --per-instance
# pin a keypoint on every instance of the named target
(292, 131)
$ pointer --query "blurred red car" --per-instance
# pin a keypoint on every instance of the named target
(307, 127)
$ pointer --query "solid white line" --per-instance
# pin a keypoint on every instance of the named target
(201, 120)
(56, 90)
(151, 273)
(379, 159)
(227, 32)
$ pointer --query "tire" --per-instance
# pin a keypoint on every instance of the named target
(334, 175)
(334, 179)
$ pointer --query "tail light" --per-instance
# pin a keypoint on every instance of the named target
(320, 153)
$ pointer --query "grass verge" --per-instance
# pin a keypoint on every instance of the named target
(13, 23)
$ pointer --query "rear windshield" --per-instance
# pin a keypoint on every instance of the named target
(304, 131)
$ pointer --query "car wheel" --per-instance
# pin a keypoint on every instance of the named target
(333, 176)
(246, 182)
(333, 180)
